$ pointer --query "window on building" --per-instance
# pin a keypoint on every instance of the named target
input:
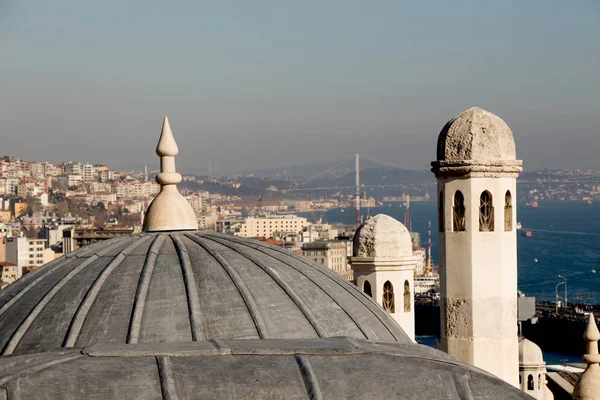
(441, 227)
(539, 381)
(458, 212)
(367, 288)
(486, 212)
(530, 385)
(508, 212)
(388, 297)
(520, 381)
(406, 296)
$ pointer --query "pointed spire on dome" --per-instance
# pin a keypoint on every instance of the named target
(166, 144)
(169, 211)
(588, 385)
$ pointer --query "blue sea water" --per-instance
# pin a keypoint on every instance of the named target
(550, 358)
(565, 241)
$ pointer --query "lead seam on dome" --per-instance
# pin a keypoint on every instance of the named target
(191, 289)
(238, 282)
(51, 267)
(22, 329)
(37, 367)
(90, 296)
(298, 270)
(287, 289)
(167, 378)
(141, 292)
(309, 377)
(358, 295)
(16, 337)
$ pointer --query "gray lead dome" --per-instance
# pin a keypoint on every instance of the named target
(183, 287)
(336, 368)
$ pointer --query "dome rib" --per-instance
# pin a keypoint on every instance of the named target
(84, 308)
(139, 303)
(38, 364)
(26, 324)
(16, 337)
(299, 270)
(167, 378)
(360, 296)
(253, 309)
(309, 377)
(191, 289)
(31, 284)
(43, 273)
(284, 286)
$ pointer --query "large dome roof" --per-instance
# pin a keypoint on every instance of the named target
(182, 287)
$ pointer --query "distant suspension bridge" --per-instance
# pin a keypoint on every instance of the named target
(302, 186)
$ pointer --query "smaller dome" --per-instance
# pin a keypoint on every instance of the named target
(530, 353)
(382, 236)
(476, 134)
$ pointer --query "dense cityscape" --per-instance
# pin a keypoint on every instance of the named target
(48, 210)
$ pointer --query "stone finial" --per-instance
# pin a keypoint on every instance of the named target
(169, 211)
(588, 386)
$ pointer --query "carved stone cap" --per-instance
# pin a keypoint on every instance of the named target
(382, 236)
(169, 211)
(476, 142)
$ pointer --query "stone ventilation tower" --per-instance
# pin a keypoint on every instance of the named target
(384, 268)
(476, 170)
(532, 371)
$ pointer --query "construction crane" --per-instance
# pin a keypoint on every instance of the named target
(407, 223)
(357, 196)
(312, 212)
(428, 273)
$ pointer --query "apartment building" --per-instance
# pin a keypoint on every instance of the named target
(332, 254)
(266, 226)
(24, 252)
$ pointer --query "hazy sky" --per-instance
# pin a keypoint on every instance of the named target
(260, 84)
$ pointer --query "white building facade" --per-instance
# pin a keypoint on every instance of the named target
(25, 252)
(332, 254)
(265, 227)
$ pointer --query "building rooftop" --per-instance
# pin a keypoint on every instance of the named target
(323, 244)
